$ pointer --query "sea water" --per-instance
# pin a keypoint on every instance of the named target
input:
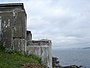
(80, 57)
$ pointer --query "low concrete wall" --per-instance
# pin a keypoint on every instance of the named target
(41, 49)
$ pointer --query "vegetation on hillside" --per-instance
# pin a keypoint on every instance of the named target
(15, 59)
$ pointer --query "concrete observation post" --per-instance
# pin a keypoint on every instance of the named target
(13, 20)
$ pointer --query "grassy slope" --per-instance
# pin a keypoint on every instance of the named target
(15, 59)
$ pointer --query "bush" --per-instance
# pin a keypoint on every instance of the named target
(14, 52)
(35, 57)
(2, 48)
(16, 59)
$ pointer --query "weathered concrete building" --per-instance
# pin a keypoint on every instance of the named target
(13, 26)
(29, 36)
(41, 48)
(13, 33)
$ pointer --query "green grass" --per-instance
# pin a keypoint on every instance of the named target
(15, 59)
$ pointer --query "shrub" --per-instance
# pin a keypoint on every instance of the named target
(2, 48)
(35, 57)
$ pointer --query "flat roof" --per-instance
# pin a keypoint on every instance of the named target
(5, 6)
(44, 41)
(12, 5)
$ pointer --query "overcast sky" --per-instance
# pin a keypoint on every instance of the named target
(65, 22)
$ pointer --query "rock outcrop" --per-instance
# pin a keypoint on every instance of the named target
(72, 66)
(56, 64)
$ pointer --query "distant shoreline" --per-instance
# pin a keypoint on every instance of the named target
(86, 48)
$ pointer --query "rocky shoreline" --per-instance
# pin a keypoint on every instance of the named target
(56, 64)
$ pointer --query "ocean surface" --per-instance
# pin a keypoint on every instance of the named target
(73, 57)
